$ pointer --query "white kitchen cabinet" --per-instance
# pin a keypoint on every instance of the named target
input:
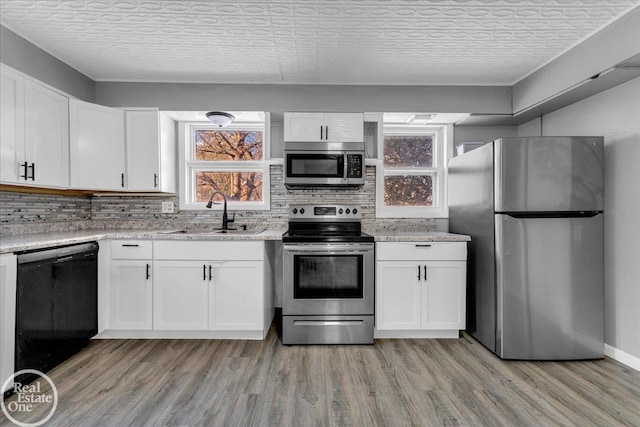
(324, 127)
(236, 296)
(131, 295)
(420, 289)
(150, 152)
(34, 133)
(180, 296)
(97, 147)
(131, 285)
(8, 277)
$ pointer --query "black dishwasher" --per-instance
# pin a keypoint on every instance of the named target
(56, 304)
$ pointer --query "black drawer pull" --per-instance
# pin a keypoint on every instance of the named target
(423, 246)
(128, 245)
(148, 273)
(25, 165)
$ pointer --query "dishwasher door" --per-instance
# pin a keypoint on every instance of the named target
(56, 305)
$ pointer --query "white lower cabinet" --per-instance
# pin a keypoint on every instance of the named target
(174, 289)
(131, 294)
(236, 296)
(418, 294)
(180, 296)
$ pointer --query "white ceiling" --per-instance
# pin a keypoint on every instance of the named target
(475, 42)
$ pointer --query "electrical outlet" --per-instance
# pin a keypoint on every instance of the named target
(167, 207)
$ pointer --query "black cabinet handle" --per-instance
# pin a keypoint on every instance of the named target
(155, 180)
(210, 268)
(128, 245)
(204, 272)
(418, 272)
(122, 179)
(326, 132)
(26, 167)
(320, 133)
(423, 246)
(425, 273)
(148, 274)
(33, 171)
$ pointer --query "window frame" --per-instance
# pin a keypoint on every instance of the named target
(442, 147)
(188, 166)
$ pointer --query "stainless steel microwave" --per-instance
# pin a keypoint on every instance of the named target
(324, 164)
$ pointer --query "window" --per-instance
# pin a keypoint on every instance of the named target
(411, 176)
(232, 160)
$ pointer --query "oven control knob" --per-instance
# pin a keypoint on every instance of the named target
(340, 211)
(295, 211)
(301, 211)
(348, 211)
(355, 211)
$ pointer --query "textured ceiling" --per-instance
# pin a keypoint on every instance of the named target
(313, 42)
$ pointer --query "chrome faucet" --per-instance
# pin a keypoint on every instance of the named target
(225, 217)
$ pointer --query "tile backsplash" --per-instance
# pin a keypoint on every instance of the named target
(25, 212)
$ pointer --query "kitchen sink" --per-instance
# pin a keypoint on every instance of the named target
(240, 232)
(247, 232)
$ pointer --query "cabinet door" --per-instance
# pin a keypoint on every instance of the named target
(397, 296)
(46, 136)
(96, 146)
(304, 127)
(143, 150)
(444, 295)
(11, 126)
(131, 295)
(236, 296)
(8, 269)
(344, 127)
(180, 295)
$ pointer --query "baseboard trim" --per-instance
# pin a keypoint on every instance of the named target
(227, 335)
(443, 333)
(622, 357)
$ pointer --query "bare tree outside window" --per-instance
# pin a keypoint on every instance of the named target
(407, 156)
(229, 145)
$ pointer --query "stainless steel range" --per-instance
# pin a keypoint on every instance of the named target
(329, 284)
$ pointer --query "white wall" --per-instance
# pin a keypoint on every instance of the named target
(22, 55)
(614, 114)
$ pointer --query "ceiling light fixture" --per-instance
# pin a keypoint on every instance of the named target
(421, 119)
(220, 118)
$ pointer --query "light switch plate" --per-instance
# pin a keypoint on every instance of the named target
(167, 207)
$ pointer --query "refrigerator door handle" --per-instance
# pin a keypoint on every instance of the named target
(542, 215)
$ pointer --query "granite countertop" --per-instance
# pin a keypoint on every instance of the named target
(22, 242)
(417, 236)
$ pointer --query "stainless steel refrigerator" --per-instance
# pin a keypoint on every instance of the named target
(534, 210)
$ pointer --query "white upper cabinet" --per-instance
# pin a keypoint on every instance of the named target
(97, 146)
(143, 150)
(35, 133)
(324, 127)
(150, 151)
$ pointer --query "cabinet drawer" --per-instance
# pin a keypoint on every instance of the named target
(132, 249)
(422, 251)
(208, 251)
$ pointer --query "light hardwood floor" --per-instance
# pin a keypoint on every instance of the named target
(394, 383)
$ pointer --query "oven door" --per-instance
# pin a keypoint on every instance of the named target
(323, 278)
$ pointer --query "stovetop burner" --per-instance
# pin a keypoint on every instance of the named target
(326, 223)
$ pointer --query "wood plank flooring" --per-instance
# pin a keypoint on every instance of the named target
(392, 383)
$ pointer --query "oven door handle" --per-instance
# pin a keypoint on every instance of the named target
(329, 252)
(327, 249)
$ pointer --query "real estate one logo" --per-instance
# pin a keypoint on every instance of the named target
(36, 401)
